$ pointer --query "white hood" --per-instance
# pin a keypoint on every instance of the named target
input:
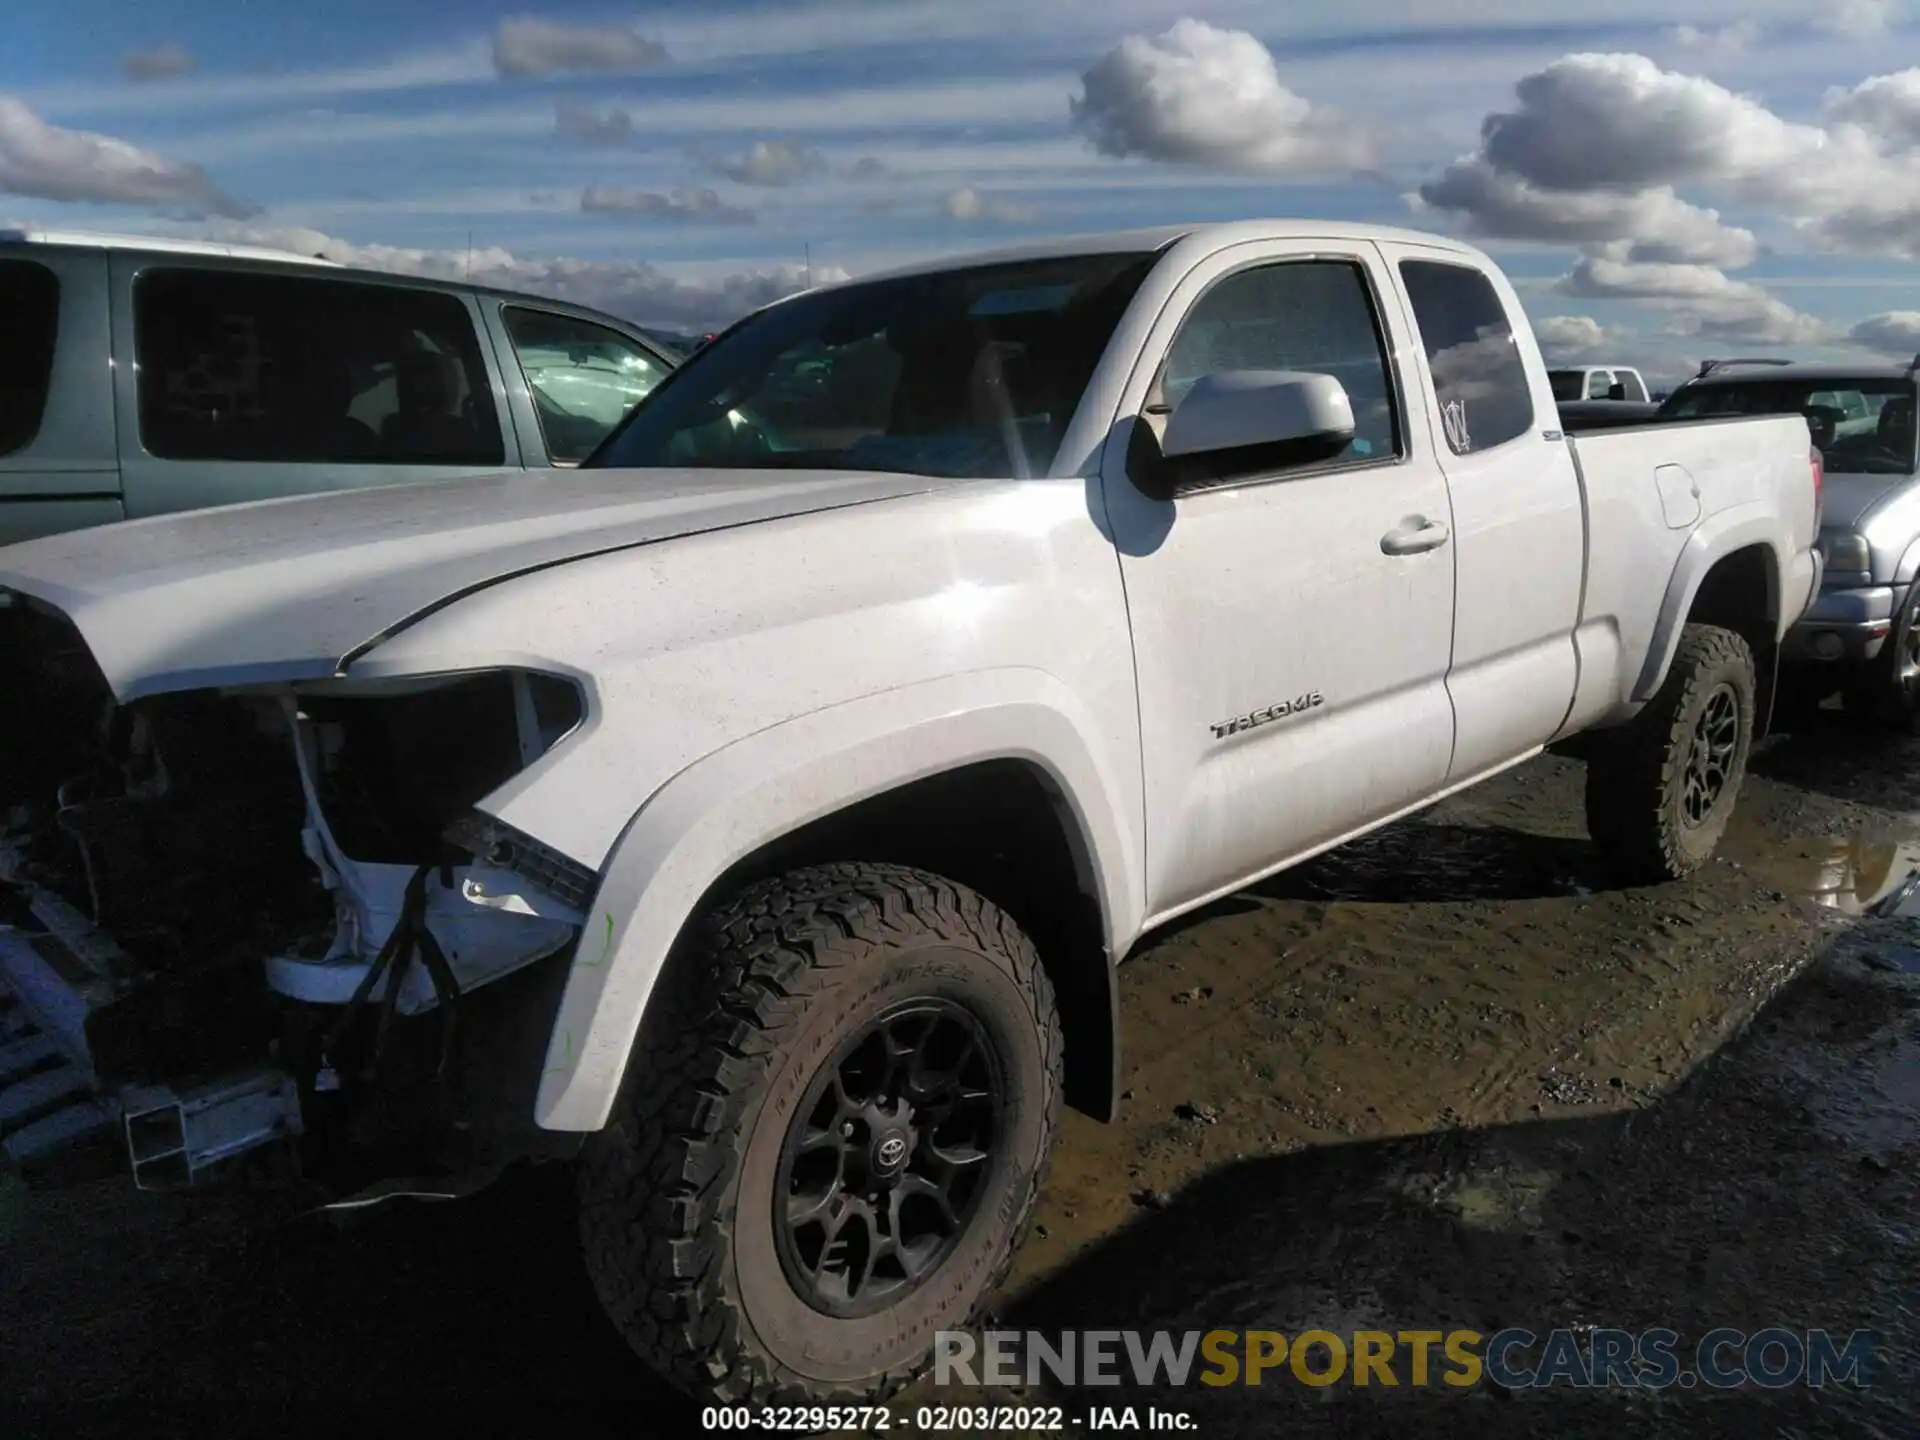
(290, 589)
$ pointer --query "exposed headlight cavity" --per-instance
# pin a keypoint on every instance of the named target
(400, 761)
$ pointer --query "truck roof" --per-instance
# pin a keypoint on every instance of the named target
(1748, 374)
(1162, 237)
(246, 256)
(155, 244)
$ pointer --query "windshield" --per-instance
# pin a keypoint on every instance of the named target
(1861, 426)
(1568, 384)
(962, 373)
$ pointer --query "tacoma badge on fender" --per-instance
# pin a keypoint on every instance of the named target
(1272, 712)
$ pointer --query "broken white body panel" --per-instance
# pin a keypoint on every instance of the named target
(487, 921)
(755, 651)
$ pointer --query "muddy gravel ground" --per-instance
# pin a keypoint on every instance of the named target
(1444, 1078)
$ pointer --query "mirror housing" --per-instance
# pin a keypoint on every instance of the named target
(1252, 410)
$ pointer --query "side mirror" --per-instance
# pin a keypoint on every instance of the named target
(1255, 410)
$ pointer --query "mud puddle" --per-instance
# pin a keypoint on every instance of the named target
(1852, 875)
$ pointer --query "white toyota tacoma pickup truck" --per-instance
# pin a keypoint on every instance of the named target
(755, 816)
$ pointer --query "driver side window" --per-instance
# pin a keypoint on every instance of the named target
(1316, 316)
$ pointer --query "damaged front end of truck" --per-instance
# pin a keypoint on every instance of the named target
(266, 928)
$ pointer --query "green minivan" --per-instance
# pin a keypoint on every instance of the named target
(140, 376)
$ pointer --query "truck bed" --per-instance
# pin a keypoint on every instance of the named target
(1648, 490)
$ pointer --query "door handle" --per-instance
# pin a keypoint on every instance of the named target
(1414, 539)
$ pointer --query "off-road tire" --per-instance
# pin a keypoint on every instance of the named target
(766, 987)
(1636, 775)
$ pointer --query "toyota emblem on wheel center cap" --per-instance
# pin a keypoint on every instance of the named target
(889, 1153)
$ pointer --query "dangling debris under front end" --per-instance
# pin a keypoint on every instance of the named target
(273, 917)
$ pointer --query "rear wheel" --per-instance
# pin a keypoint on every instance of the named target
(833, 1132)
(1661, 789)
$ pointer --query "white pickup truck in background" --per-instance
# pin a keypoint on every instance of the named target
(1617, 383)
(759, 811)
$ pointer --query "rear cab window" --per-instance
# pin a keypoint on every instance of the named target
(30, 305)
(1479, 379)
(287, 369)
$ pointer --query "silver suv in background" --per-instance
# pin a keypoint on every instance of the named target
(140, 376)
(1861, 637)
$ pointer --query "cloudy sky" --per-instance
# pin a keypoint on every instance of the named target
(1749, 180)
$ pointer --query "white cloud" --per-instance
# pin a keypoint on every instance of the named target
(464, 64)
(1588, 121)
(1764, 322)
(968, 204)
(1663, 228)
(1887, 106)
(894, 109)
(1870, 203)
(1892, 332)
(682, 204)
(1621, 123)
(1841, 20)
(1705, 303)
(1734, 38)
(1855, 19)
(1569, 337)
(1888, 227)
(163, 62)
(52, 163)
(769, 162)
(1201, 96)
(593, 127)
(529, 47)
(634, 289)
(1602, 149)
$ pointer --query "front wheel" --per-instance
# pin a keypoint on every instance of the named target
(833, 1131)
(1661, 789)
